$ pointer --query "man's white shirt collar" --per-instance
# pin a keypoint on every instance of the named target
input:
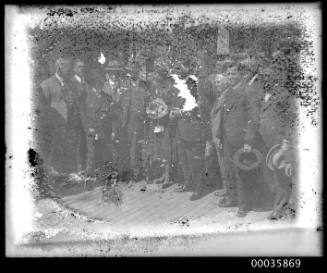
(78, 78)
(60, 79)
(237, 85)
(253, 79)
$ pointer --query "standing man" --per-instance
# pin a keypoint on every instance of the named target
(229, 130)
(76, 129)
(208, 92)
(190, 135)
(133, 105)
(56, 98)
(108, 116)
(273, 116)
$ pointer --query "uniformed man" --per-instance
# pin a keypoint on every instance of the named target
(273, 117)
(56, 98)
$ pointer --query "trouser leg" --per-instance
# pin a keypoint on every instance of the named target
(220, 160)
(185, 164)
(241, 190)
(247, 188)
(90, 155)
(284, 185)
(60, 151)
(83, 150)
(228, 173)
(195, 157)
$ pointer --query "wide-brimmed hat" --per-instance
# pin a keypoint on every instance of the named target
(247, 160)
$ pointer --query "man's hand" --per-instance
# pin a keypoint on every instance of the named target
(175, 112)
(217, 142)
(209, 148)
(285, 145)
(247, 148)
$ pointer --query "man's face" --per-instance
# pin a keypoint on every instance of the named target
(65, 68)
(233, 75)
(79, 68)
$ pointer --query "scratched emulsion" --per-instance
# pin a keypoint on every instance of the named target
(90, 32)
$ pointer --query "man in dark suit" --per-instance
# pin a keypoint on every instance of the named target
(55, 98)
(273, 117)
(191, 138)
(76, 131)
(133, 106)
(208, 91)
(228, 131)
(108, 119)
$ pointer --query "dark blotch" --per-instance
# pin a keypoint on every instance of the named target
(32, 158)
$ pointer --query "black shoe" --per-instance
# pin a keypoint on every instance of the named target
(242, 213)
(167, 185)
(195, 196)
(225, 203)
(148, 181)
(274, 216)
(220, 193)
(183, 188)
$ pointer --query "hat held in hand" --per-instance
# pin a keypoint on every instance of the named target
(247, 160)
(279, 158)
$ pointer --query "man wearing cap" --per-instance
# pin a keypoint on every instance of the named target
(273, 117)
(56, 97)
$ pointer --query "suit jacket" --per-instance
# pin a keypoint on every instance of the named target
(76, 108)
(190, 127)
(89, 107)
(208, 95)
(56, 96)
(271, 114)
(230, 115)
(132, 101)
(108, 116)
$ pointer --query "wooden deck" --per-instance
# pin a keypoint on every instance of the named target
(143, 206)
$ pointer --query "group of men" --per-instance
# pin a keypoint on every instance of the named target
(243, 110)
(253, 130)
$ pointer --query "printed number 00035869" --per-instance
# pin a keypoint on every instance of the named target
(275, 263)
